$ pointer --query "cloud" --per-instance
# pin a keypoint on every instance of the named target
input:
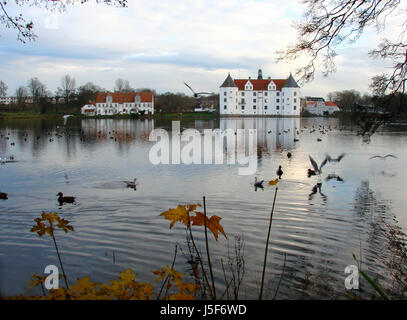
(160, 44)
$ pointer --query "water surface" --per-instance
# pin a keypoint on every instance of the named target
(118, 228)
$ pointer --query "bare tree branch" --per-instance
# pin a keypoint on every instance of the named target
(25, 29)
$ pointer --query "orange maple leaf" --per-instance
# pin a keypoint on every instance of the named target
(179, 214)
(273, 182)
(212, 223)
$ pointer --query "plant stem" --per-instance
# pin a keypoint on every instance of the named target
(199, 256)
(281, 277)
(207, 250)
(267, 245)
(60, 261)
(166, 279)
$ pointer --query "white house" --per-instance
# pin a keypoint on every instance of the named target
(320, 107)
(259, 96)
(124, 102)
(89, 109)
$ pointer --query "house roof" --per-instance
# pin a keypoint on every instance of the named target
(122, 97)
(330, 104)
(260, 84)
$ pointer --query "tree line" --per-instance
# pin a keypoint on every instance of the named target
(352, 101)
(68, 97)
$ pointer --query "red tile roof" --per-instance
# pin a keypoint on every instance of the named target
(330, 104)
(121, 97)
(260, 84)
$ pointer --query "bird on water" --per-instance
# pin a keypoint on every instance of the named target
(65, 199)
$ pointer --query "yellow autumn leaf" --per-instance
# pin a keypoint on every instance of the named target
(273, 182)
(179, 214)
(212, 223)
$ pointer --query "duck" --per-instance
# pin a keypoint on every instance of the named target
(279, 172)
(3, 196)
(258, 184)
(67, 199)
(131, 184)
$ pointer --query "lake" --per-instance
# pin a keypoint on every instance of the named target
(313, 236)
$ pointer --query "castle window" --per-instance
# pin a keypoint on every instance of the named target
(295, 93)
(242, 93)
(278, 107)
(254, 107)
(278, 93)
(254, 100)
(295, 107)
(242, 107)
(278, 100)
(254, 93)
(224, 100)
(265, 107)
(295, 100)
(265, 93)
(225, 107)
(224, 93)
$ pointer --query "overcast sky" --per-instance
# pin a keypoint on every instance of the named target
(160, 44)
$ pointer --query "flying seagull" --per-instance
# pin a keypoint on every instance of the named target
(196, 94)
(317, 170)
(383, 157)
(66, 118)
(335, 160)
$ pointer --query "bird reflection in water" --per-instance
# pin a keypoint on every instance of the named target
(315, 189)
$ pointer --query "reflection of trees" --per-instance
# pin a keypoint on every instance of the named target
(385, 246)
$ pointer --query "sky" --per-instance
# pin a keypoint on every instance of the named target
(160, 44)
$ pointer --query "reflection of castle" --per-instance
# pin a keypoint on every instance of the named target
(259, 96)
(272, 133)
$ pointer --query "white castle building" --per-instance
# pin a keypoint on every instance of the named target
(259, 96)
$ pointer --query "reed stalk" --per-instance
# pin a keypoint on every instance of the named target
(207, 251)
(267, 245)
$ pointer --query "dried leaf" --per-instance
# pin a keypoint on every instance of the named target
(179, 214)
(212, 223)
(273, 182)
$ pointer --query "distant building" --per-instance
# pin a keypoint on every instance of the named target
(320, 107)
(124, 102)
(259, 96)
(8, 100)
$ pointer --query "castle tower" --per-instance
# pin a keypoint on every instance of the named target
(260, 75)
(228, 96)
(291, 97)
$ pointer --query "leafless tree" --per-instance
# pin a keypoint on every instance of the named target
(21, 94)
(3, 89)
(327, 24)
(122, 85)
(37, 89)
(68, 87)
(24, 27)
